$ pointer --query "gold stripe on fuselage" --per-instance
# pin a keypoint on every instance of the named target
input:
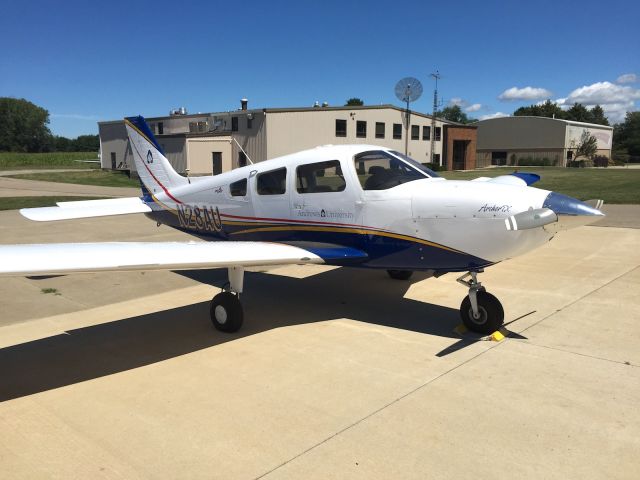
(358, 231)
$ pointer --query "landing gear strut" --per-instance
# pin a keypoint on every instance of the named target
(480, 311)
(226, 310)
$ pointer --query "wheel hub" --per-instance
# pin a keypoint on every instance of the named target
(481, 319)
(221, 314)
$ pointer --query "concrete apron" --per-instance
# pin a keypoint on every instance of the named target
(337, 373)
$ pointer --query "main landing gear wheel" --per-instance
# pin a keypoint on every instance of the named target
(400, 274)
(226, 312)
(480, 311)
(490, 313)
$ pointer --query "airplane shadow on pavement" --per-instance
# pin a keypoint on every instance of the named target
(270, 301)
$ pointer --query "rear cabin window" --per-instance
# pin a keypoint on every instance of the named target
(273, 182)
(320, 177)
(379, 170)
(239, 188)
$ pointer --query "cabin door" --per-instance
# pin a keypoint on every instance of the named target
(322, 195)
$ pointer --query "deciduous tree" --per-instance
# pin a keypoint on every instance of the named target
(23, 126)
(354, 102)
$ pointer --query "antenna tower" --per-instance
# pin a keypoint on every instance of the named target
(436, 76)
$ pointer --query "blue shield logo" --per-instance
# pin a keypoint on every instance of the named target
(149, 157)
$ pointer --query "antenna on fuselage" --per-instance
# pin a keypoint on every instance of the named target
(242, 150)
(408, 90)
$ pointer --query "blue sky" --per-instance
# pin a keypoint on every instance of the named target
(89, 61)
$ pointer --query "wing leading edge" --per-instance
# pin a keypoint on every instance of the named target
(63, 258)
(86, 209)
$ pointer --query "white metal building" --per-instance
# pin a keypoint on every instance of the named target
(506, 140)
(215, 142)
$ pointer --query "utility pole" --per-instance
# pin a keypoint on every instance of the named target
(408, 117)
(433, 116)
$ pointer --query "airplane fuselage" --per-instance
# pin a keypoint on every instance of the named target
(424, 224)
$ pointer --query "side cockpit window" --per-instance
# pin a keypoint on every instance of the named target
(320, 177)
(273, 182)
(239, 188)
(379, 170)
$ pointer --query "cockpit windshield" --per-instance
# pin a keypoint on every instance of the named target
(381, 170)
(416, 164)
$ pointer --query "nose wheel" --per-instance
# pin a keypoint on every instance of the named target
(480, 311)
(226, 310)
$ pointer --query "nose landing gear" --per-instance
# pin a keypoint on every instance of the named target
(480, 311)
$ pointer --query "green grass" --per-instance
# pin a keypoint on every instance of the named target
(22, 161)
(611, 185)
(14, 203)
(50, 290)
(102, 178)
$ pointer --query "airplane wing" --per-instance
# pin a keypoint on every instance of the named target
(86, 209)
(63, 258)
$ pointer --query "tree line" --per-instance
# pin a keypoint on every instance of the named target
(24, 128)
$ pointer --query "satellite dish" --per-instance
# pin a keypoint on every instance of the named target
(408, 90)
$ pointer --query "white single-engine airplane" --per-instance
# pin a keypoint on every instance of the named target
(348, 205)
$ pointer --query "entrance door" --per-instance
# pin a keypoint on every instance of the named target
(113, 160)
(459, 154)
(217, 162)
(498, 158)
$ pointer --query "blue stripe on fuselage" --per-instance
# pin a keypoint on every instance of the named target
(382, 251)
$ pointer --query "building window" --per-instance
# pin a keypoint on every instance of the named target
(361, 129)
(569, 154)
(436, 158)
(320, 177)
(249, 122)
(234, 124)
(415, 132)
(273, 182)
(160, 128)
(426, 133)
(438, 133)
(341, 128)
(198, 127)
(397, 131)
(239, 188)
(379, 129)
(242, 159)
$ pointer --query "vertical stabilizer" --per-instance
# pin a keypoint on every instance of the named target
(155, 171)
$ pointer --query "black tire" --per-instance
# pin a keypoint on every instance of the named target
(400, 274)
(491, 313)
(226, 312)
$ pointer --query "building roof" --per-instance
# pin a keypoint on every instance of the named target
(293, 109)
(545, 119)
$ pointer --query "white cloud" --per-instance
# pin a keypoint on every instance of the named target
(494, 115)
(526, 93)
(460, 102)
(615, 100)
(627, 78)
(464, 104)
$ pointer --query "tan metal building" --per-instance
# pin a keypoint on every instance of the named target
(216, 142)
(508, 140)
